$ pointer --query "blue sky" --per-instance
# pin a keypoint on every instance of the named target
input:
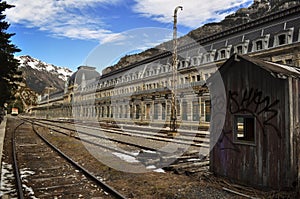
(68, 33)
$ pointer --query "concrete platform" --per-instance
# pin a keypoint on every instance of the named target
(2, 134)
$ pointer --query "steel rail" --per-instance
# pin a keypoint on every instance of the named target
(15, 164)
(102, 137)
(130, 133)
(105, 186)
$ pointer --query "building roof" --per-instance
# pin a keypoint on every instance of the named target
(256, 26)
(280, 70)
(83, 73)
(275, 69)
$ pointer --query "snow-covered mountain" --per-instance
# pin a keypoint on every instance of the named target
(38, 74)
(61, 72)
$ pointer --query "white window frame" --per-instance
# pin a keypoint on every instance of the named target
(288, 36)
(265, 43)
(227, 50)
(244, 46)
(211, 55)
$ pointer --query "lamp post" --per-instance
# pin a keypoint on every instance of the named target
(173, 119)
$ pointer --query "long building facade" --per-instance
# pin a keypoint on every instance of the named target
(141, 92)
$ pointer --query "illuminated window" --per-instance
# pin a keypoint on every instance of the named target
(244, 128)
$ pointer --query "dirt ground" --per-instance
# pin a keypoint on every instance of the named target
(157, 185)
(151, 184)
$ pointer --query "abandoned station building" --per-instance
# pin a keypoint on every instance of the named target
(259, 62)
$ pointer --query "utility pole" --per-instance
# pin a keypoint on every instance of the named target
(173, 119)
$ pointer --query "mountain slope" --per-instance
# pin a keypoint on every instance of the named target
(258, 9)
(38, 75)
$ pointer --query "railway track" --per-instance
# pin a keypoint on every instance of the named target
(189, 162)
(43, 171)
(144, 185)
(191, 138)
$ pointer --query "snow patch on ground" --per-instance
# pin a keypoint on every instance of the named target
(7, 178)
(25, 172)
(152, 167)
(126, 158)
(29, 190)
(148, 151)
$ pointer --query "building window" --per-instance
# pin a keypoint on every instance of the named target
(222, 54)
(207, 110)
(184, 110)
(259, 45)
(244, 128)
(285, 37)
(195, 61)
(196, 111)
(156, 107)
(282, 39)
(163, 111)
(239, 49)
(137, 112)
(289, 62)
(208, 58)
(206, 76)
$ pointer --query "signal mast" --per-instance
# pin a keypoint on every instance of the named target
(173, 119)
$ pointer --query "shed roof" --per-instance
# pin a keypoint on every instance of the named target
(275, 69)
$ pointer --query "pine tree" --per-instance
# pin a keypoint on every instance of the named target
(9, 74)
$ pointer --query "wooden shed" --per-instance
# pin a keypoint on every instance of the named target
(259, 142)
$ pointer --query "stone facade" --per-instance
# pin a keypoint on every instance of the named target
(141, 92)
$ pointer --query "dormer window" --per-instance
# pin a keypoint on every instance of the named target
(285, 37)
(281, 39)
(261, 43)
(195, 61)
(209, 56)
(182, 64)
(239, 50)
(224, 53)
(242, 48)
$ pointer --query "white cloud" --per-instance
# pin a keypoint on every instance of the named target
(62, 18)
(80, 19)
(116, 38)
(194, 14)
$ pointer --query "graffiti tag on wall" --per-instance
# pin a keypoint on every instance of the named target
(250, 101)
(253, 102)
